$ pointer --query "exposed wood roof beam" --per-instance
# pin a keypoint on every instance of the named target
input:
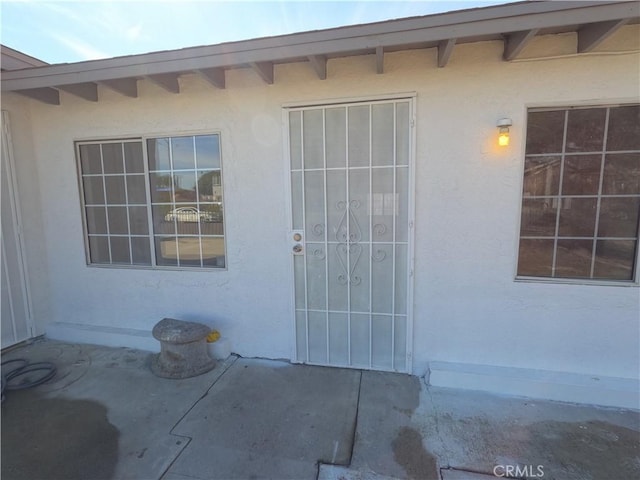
(215, 76)
(464, 24)
(124, 86)
(516, 41)
(87, 91)
(590, 36)
(168, 81)
(445, 48)
(44, 95)
(264, 70)
(379, 60)
(319, 64)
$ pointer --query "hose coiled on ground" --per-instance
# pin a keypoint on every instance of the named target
(18, 377)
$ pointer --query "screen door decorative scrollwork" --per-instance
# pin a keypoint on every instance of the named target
(350, 172)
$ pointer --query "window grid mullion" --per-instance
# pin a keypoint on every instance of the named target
(106, 206)
(559, 205)
(542, 237)
(610, 195)
(599, 199)
(195, 173)
(173, 196)
(579, 154)
(149, 205)
(126, 200)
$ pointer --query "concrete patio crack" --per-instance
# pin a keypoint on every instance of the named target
(355, 421)
(319, 463)
(226, 365)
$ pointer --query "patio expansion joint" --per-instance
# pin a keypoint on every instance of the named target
(355, 420)
(319, 463)
(226, 365)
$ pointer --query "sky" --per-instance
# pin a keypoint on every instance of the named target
(71, 31)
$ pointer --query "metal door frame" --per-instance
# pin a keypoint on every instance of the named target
(16, 219)
(349, 101)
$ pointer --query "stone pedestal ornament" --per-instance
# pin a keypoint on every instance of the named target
(183, 349)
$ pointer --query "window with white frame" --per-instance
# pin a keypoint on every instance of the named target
(154, 202)
(581, 194)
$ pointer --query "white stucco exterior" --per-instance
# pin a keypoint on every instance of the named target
(468, 307)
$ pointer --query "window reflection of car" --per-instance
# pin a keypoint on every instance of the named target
(191, 214)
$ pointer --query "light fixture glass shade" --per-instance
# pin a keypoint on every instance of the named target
(503, 137)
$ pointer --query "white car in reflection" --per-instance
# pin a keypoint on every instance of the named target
(191, 214)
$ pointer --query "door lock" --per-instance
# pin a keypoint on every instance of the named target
(297, 237)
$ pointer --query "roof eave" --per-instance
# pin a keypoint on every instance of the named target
(517, 23)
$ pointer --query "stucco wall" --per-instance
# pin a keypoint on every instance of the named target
(467, 306)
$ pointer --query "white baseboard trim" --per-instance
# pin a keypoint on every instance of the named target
(542, 384)
(103, 335)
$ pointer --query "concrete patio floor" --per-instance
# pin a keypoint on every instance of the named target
(106, 416)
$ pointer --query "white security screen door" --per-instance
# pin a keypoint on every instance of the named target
(16, 322)
(351, 218)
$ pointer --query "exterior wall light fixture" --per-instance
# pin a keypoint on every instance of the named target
(503, 132)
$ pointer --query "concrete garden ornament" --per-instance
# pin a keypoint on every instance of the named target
(183, 349)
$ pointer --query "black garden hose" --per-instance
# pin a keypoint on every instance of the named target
(18, 377)
(21, 364)
(21, 361)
